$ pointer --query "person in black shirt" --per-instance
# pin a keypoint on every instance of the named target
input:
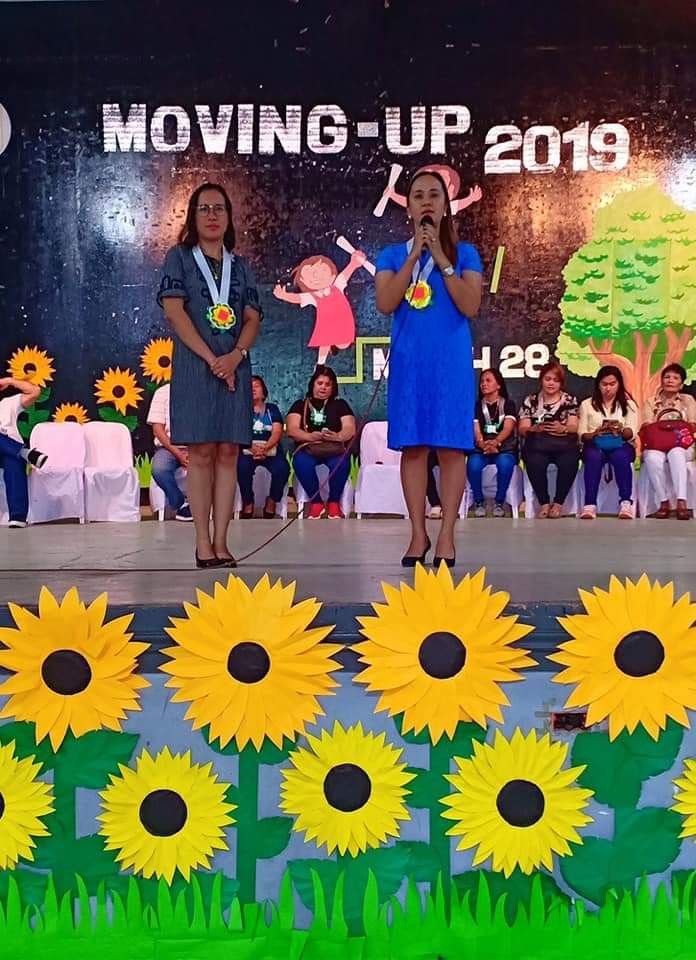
(322, 426)
(495, 435)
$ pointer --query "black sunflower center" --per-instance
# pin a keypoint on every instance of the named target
(639, 654)
(248, 662)
(164, 361)
(2, 806)
(442, 655)
(521, 803)
(66, 672)
(119, 391)
(163, 813)
(71, 416)
(347, 787)
(30, 368)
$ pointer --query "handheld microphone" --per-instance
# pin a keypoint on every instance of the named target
(427, 221)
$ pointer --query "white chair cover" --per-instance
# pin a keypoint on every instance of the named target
(112, 486)
(262, 488)
(573, 501)
(4, 514)
(158, 501)
(514, 495)
(647, 501)
(323, 474)
(608, 494)
(378, 489)
(57, 491)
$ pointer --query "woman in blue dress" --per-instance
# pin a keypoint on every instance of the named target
(209, 297)
(432, 285)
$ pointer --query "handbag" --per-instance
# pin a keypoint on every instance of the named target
(608, 441)
(322, 449)
(666, 435)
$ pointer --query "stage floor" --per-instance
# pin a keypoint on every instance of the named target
(342, 563)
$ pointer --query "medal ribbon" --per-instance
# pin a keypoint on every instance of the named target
(221, 295)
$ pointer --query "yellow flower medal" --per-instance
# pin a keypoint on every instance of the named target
(419, 294)
(220, 315)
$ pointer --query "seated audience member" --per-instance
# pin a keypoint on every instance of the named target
(168, 458)
(265, 452)
(495, 426)
(14, 456)
(607, 427)
(669, 404)
(432, 494)
(548, 426)
(322, 426)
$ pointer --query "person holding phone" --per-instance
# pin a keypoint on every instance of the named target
(608, 425)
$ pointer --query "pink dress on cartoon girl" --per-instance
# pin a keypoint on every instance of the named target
(335, 323)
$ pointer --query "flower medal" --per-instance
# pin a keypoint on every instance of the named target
(220, 315)
(420, 294)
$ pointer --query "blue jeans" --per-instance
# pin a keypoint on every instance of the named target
(14, 468)
(164, 467)
(620, 459)
(278, 468)
(306, 470)
(505, 463)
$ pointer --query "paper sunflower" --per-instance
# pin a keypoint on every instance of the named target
(32, 364)
(118, 387)
(515, 803)
(347, 791)
(168, 814)
(156, 360)
(438, 653)
(247, 663)
(70, 413)
(23, 801)
(686, 798)
(632, 656)
(70, 669)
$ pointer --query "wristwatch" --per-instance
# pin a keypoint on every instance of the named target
(448, 271)
(244, 353)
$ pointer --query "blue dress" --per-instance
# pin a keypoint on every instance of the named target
(431, 391)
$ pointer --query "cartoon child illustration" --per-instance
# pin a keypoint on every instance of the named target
(451, 178)
(322, 286)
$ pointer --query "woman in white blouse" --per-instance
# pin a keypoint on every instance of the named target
(608, 425)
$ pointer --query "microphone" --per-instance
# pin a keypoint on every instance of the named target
(427, 221)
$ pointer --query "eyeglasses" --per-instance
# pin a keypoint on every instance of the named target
(205, 208)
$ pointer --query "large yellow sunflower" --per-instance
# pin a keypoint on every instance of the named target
(156, 360)
(70, 413)
(515, 803)
(23, 801)
(438, 653)
(168, 814)
(686, 798)
(32, 364)
(347, 791)
(118, 387)
(70, 669)
(632, 656)
(248, 664)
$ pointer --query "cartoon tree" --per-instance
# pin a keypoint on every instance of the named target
(630, 294)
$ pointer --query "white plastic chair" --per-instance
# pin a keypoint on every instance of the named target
(608, 493)
(158, 501)
(262, 489)
(647, 501)
(378, 489)
(323, 474)
(572, 504)
(112, 486)
(57, 491)
(513, 497)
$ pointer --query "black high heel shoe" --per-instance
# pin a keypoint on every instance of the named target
(207, 564)
(409, 561)
(450, 561)
(226, 562)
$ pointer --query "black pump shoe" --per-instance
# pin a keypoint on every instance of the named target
(450, 561)
(207, 564)
(409, 561)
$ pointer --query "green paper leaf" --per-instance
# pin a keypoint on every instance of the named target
(272, 836)
(645, 841)
(32, 886)
(517, 889)
(67, 857)
(44, 395)
(423, 863)
(24, 428)
(616, 771)
(87, 761)
(36, 415)
(112, 415)
(427, 789)
(24, 736)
